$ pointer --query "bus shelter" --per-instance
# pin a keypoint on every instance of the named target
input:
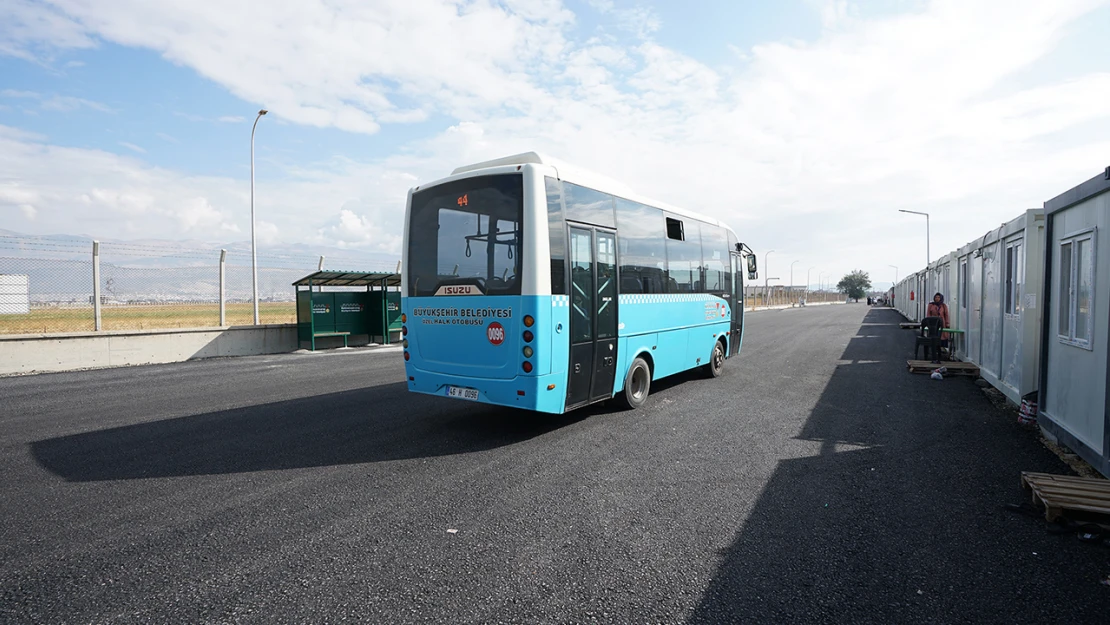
(326, 310)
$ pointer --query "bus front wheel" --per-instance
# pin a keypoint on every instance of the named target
(637, 385)
(716, 361)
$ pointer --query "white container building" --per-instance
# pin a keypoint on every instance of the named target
(992, 286)
(1075, 338)
(15, 294)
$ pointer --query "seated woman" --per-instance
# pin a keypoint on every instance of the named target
(937, 308)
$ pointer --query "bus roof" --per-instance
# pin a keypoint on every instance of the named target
(585, 177)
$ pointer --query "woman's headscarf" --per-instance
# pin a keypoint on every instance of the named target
(941, 296)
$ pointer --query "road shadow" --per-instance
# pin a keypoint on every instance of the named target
(374, 424)
(896, 517)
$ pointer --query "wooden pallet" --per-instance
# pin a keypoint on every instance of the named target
(910, 325)
(1058, 493)
(954, 368)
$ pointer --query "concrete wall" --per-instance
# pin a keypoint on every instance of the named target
(29, 353)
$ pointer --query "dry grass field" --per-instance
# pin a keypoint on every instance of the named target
(159, 316)
(143, 317)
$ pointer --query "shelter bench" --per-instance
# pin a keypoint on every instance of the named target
(316, 334)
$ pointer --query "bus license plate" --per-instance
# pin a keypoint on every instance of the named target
(462, 393)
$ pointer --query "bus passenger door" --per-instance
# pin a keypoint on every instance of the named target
(737, 328)
(593, 316)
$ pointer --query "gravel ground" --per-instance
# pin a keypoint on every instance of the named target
(815, 481)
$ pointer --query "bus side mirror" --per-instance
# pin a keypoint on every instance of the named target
(753, 270)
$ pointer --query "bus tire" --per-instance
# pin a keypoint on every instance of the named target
(637, 385)
(716, 361)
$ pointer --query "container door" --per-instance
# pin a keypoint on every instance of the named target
(975, 307)
(593, 316)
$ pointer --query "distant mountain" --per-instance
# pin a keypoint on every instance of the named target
(59, 267)
(168, 253)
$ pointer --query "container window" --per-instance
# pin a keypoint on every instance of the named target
(1076, 289)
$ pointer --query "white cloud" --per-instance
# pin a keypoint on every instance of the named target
(806, 146)
(132, 147)
(341, 202)
(266, 232)
(55, 102)
(15, 93)
(231, 119)
(34, 32)
(197, 214)
(442, 54)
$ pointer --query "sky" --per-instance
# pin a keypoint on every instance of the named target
(806, 125)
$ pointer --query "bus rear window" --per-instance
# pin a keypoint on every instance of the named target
(467, 233)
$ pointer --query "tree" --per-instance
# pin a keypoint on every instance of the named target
(855, 284)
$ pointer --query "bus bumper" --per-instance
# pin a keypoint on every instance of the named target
(527, 392)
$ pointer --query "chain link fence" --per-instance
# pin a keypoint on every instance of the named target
(760, 296)
(48, 287)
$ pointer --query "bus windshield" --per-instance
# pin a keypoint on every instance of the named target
(467, 233)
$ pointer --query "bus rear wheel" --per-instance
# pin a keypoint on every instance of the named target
(637, 385)
(716, 361)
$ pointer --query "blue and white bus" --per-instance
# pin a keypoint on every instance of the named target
(532, 284)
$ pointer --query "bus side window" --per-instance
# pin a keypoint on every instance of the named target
(643, 255)
(684, 258)
(557, 236)
(718, 273)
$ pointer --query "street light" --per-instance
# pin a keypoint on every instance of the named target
(807, 281)
(791, 287)
(895, 273)
(766, 272)
(928, 256)
(254, 246)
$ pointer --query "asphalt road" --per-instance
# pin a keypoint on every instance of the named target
(815, 481)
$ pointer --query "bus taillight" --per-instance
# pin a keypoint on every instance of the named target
(528, 321)
(528, 336)
(527, 366)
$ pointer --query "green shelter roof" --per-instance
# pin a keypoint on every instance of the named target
(349, 278)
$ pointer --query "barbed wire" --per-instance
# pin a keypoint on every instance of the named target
(23, 242)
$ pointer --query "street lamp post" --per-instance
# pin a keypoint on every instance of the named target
(807, 281)
(766, 272)
(895, 273)
(791, 287)
(254, 245)
(928, 256)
